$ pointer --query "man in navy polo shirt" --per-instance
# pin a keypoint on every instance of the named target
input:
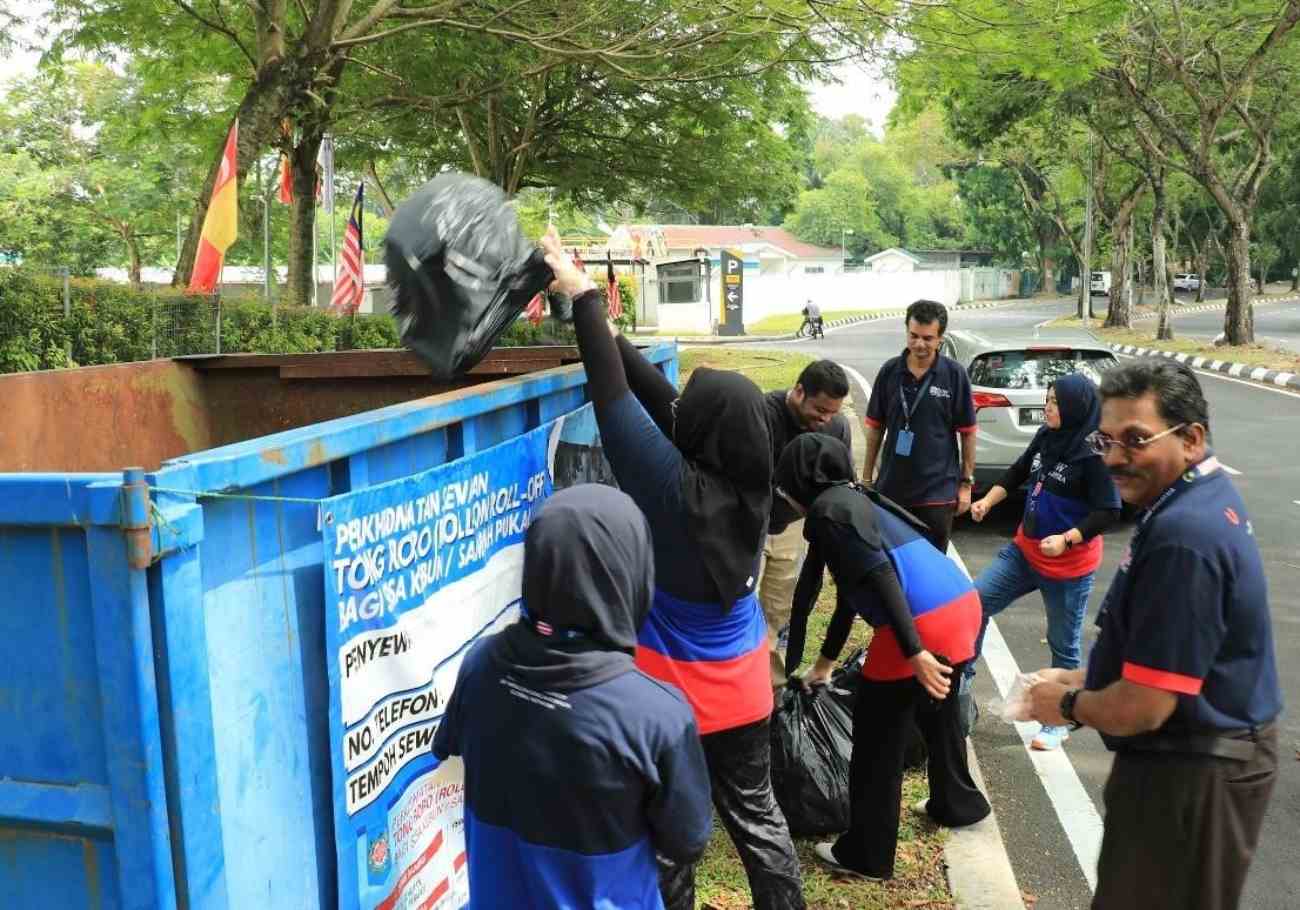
(1181, 683)
(920, 404)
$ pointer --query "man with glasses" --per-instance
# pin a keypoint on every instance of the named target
(1182, 683)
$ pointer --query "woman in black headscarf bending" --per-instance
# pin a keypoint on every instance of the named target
(700, 467)
(925, 613)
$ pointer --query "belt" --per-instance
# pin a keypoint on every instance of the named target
(1236, 745)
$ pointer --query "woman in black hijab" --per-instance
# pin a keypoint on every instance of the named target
(1056, 550)
(579, 769)
(925, 614)
(700, 467)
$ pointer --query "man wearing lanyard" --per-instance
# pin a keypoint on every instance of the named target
(1182, 683)
(920, 403)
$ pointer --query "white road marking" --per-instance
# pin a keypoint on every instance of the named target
(1074, 808)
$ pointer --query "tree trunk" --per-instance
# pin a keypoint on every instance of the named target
(133, 254)
(1239, 317)
(263, 106)
(1159, 267)
(1202, 269)
(1141, 265)
(301, 290)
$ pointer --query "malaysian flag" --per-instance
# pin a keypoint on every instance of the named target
(612, 292)
(350, 286)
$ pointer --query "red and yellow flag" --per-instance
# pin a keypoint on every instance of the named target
(220, 225)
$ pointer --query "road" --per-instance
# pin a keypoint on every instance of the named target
(1275, 324)
(1256, 431)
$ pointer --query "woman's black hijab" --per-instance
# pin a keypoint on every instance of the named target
(588, 584)
(1080, 406)
(720, 425)
(816, 471)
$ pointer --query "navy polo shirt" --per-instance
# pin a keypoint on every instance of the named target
(929, 475)
(1188, 612)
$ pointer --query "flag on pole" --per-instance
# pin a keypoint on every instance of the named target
(286, 179)
(534, 310)
(612, 293)
(325, 160)
(286, 169)
(351, 287)
(221, 223)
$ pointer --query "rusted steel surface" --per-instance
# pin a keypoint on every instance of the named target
(102, 418)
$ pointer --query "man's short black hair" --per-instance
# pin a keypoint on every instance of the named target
(1179, 398)
(926, 312)
(824, 376)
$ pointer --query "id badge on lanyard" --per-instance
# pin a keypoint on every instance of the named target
(904, 437)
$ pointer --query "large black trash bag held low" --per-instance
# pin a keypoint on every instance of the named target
(461, 270)
(812, 742)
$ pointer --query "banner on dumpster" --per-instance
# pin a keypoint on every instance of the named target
(417, 570)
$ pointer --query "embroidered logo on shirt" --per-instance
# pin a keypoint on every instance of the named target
(1231, 516)
(939, 393)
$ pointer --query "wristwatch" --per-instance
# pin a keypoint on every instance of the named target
(968, 481)
(1067, 707)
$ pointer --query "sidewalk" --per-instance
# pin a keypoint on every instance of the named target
(979, 870)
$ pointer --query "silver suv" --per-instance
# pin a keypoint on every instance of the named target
(1009, 375)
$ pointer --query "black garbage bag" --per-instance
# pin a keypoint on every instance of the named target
(812, 742)
(461, 270)
(845, 683)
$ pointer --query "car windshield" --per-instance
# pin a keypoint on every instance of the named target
(1036, 369)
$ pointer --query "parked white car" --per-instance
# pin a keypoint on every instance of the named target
(1100, 284)
(1010, 371)
(1187, 282)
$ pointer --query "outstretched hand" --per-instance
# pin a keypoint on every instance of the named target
(569, 279)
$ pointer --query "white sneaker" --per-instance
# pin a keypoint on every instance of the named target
(824, 853)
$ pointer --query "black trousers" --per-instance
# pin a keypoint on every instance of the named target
(1181, 829)
(740, 771)
(883, 713)
(939, 519)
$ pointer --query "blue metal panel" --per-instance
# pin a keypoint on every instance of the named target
(57, 871)
(48, 499)
(124, 661)
(262, 583)
(189, 749)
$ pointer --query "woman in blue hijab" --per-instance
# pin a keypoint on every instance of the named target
(1071, 500)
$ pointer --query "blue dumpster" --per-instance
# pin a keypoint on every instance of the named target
(163, 689)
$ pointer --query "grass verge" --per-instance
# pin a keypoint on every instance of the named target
(1253, 354)
(789, 322)
(919, 880)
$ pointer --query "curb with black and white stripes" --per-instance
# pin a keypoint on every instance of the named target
(1236, 370)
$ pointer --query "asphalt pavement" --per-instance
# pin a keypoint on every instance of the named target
(1049, 805)
(1277, 325)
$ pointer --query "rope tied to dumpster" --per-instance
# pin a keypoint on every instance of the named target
(209, 494)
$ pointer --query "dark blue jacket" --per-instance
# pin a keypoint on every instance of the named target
(568, 795)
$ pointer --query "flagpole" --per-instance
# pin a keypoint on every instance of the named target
(315, 289)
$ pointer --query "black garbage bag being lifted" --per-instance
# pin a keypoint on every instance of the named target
(812, 742)
(812, 747)
(461, 270)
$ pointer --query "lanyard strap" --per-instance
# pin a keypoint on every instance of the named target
(1189, 479)
(908, 412)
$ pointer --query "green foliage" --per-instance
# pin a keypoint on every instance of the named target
(110, 323)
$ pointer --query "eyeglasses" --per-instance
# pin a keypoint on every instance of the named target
(1100, 443)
